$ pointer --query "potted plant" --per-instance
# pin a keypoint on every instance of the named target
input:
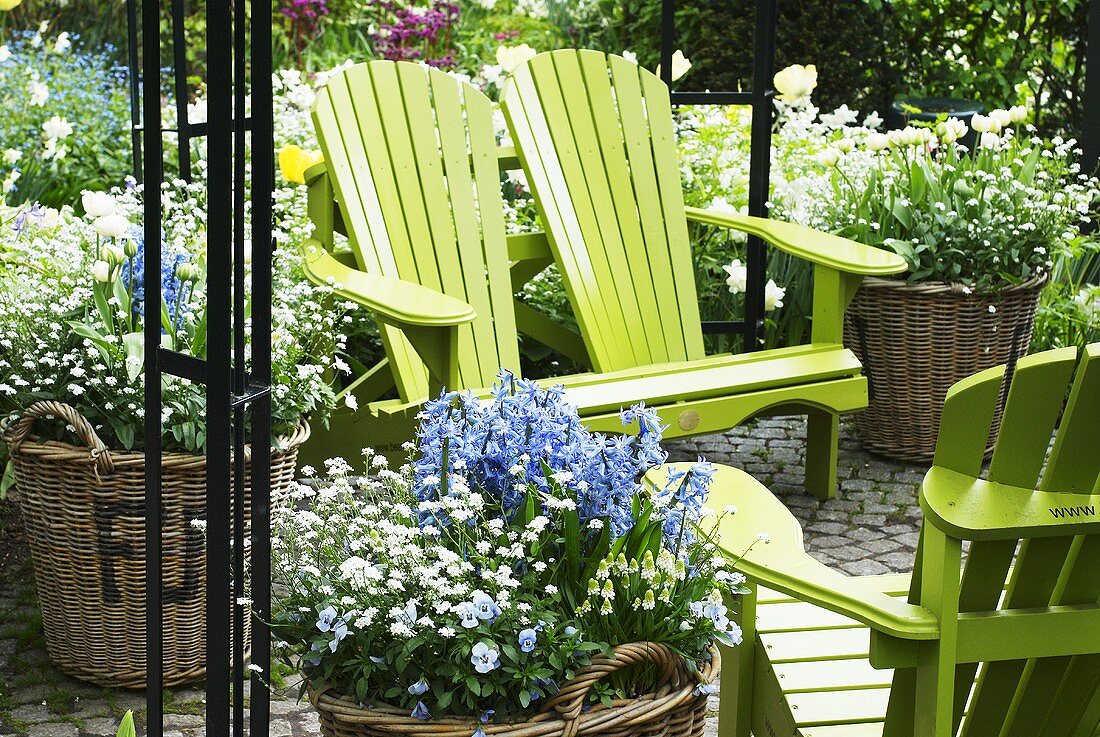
(980, 231)
(72, 310)
(518, 572)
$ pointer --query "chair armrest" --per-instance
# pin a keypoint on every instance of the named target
(782, 563)
(396, 302)
(968, 508)
(809, 244)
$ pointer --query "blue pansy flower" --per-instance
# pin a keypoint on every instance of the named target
(527, 640)
(419, 688)
(421, 711)
(484, 606)
(484, 658)
(326, 618)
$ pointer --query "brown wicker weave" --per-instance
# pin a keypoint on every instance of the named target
(916, 340)
(84, 512)
(673, 709)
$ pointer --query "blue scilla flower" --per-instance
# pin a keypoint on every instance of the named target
(528, 639)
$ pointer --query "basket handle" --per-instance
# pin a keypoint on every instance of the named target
(16, 432)
(569, 702)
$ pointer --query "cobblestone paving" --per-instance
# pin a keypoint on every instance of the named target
(871, 527)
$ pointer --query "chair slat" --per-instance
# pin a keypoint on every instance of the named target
(802, 646)
(1075, 459)
(1030, 415)
(830, 675)
(605, 110)
(839, 707)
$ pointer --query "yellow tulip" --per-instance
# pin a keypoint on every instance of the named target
(293, 162)
(6, 5)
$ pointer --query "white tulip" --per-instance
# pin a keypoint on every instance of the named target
(1003, 118)
(773, 295)
(845, 145)
(510, 57)
(952, 130)
(877, 141)
(112, 226)
(98, 204)
(828, 158)
(795, 82)
(985, 124)
(630, 56)
(101, 271)
(62, 44)
(5, 53)
(51, 218)
(39, 94)
(990, 139)
(680, 65)
(11, 155)
(1018, 113)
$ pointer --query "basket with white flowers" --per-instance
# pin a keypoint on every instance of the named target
(520, 576)
(72, 312)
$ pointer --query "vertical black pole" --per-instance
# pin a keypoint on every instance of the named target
(152, 164)
(668, 39)
(219, 361)
(179, 71)
(135, 86)
(759, 167)
(1090, 111)
(263, 182)
(239, 376)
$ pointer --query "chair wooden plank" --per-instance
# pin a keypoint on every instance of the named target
(575, 195)
(681, 277)
(528, 127)
(967, 417)
(892, 584)
(787, 647)
(825, 675)
(1031, 413)
(796, 616)
(356, 184)
(1074, 461)
(639, 150)
(839, 707)
(595, 67)
(711, 382)
(494, 244)
(581, 111)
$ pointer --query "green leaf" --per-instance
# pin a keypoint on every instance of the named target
(100, 342)
(135, 354)
(126, 727)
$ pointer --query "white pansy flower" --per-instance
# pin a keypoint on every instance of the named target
(11, 156)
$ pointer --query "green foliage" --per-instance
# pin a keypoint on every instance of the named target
(1069, 308)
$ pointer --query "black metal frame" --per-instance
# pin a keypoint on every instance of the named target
(1090, 108)
(231, 389)
(760, 98)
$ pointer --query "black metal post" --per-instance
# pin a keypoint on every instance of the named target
(179, 72)
(1090, 110)
(759, 168)
(760, 98)
(152, 164)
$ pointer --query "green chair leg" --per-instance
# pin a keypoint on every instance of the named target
(822, 439)
(735, 692)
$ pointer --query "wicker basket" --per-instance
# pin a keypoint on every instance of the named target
(916, 340)
(675, 708)
(84, 509)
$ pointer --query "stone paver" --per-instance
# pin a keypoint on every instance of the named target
(870, 528)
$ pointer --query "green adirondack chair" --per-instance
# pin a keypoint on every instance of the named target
(411, 177)
(1007, 645)
(595, 138)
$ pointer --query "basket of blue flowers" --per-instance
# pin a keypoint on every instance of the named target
(520, 576)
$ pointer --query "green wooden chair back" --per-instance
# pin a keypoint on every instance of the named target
(595, 135)
(412, 155)
(1050, 395)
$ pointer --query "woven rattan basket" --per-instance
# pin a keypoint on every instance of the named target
(83, 507)
(916, 340)
(674, 708)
